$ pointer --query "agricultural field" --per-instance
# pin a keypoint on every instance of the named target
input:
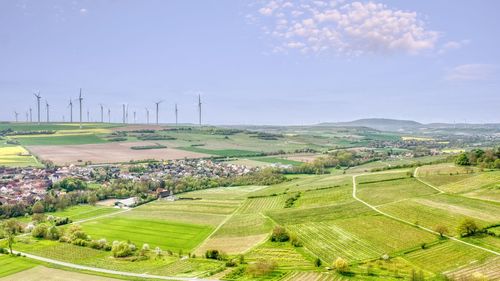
(17, 156)
(156, 233)
(107, 153)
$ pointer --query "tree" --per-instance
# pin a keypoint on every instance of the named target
(467, 227)
(496, 164)
(341, 265)
(121, 249)
(11, 228)
(280, 234)
(462, 160)
(317, 262)
(40, 231)
(92, 199)
(442, 230)
(38, 208)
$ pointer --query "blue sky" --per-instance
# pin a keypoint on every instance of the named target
(255, 62)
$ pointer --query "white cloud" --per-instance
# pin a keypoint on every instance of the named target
(453, 45)
(83, 11)
(472, 72)
(354, 28)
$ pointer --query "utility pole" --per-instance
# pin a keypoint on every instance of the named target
(38, 97)
(80, 99)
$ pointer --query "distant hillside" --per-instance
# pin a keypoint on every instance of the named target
(381, 124)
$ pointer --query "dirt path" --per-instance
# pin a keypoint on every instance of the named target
(409, 223)
(415, 175)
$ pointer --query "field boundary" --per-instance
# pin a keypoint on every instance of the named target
(415, 173)
(410, 223)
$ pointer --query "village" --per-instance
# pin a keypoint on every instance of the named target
(28, 185)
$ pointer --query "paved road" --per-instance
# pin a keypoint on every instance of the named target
(102, 270)
(410, 223)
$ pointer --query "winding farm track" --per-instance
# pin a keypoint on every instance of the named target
(410, 223)
(415, 175)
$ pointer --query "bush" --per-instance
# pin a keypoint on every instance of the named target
(317, 262)
(261, 268)
(231, 263)
(294, 240)
(214, 255)
(53, 233)
(467, 227)
(80, 242)
(121, 249)
(40, 231)
(341, 265)
(62, 221)
(280, 234)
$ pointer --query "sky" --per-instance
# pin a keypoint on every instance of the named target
(253, 62)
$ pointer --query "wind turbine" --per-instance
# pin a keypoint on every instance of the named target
(38, 97)
(70, 111)
(31, 115)
(134, 116)
(199, 108)
(27, 117)
(157, 107)
(109, 115)
(16, 114)
(176, 115)
(88, 116)
(47, 106)
(80, 99)
(102, 113)
(147, 115)
(123, 108)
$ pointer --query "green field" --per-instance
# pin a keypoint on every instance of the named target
(11, 265)
(156, 233)
(60, 140)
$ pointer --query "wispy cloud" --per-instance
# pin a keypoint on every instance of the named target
(352, 28)
(453, 45)
(472, 72)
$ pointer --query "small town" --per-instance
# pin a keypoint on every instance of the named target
(28, 185)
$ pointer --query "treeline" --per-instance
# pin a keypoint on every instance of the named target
(489, 158)
(336, 159)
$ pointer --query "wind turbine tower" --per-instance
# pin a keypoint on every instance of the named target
(27, 117)
(123, 107)
(102, 113)
(31, 115)
(16, 114)
(80, 99)
(38, 97)
(134, 116)
(147, 115)
(47, 108)
(199, 108)
(109, 115)
(157, 109)
(176, 115)
(70, 111)
(88, 116)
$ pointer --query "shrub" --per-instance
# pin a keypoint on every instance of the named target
(280, 234)
(341, 265)
(317, 262)
(40, 231)
(294, 240)
(231, 263)
(80, 242)
(53, 233)
(467, 227)
(215, 255)
(261, 268)
(121, 249)
(62, 221)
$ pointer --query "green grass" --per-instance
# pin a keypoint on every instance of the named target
(277, 160)
(156, 233)
(11, 265)
(53, 126)
(222, 152)
(392, 190)
(81, 212)
(61, 140)
(446, 256)
(284, 255)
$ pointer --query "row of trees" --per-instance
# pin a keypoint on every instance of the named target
(489, 158)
